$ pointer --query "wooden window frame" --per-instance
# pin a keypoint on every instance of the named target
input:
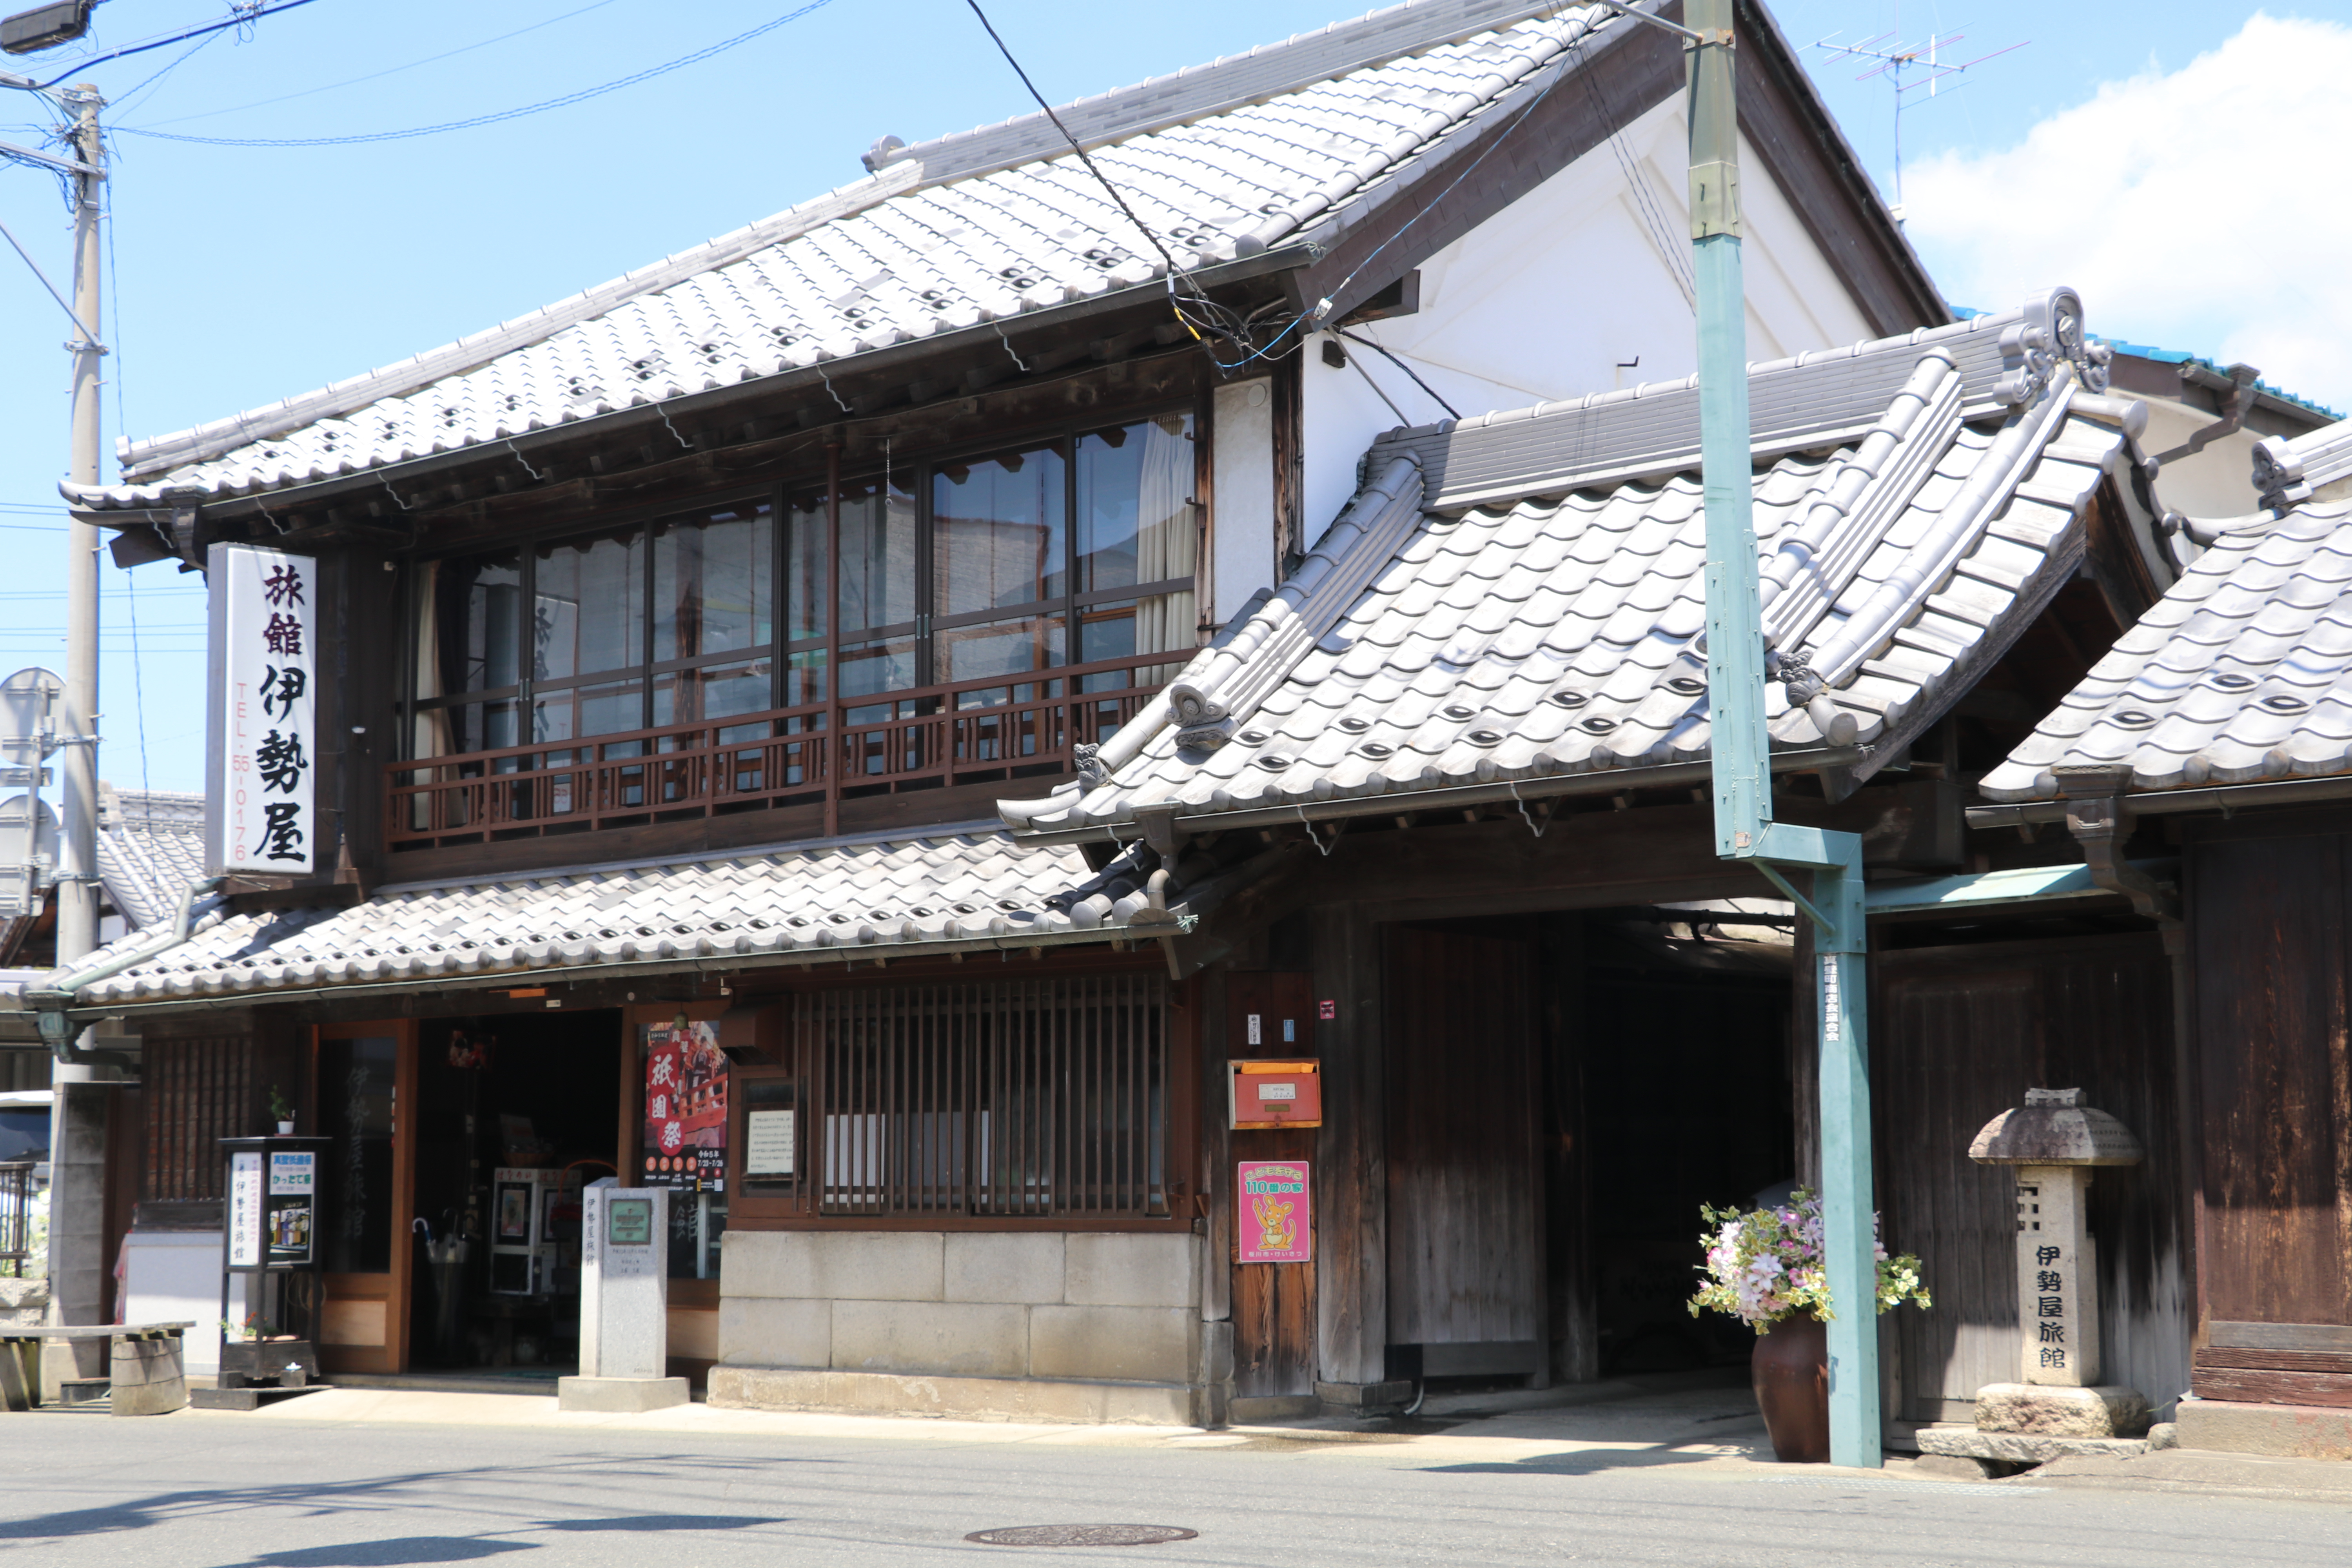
(1183, 1177)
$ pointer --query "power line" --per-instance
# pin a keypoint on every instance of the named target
(478, 120)
(389, 71)
(242, 18)
(138, 678)
(1559, 72)
(1220, 321)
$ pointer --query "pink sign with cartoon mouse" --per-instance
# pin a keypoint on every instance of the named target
(1277, 1218)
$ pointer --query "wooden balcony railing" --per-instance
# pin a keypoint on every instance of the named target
(972, 732)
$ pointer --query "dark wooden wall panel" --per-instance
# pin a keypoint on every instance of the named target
(2267, 938)
(1958, 1035)
(197, 1091)
(1273, 1303)
(1466, 1222)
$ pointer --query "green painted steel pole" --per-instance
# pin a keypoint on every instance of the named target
(1849, 1234)
(1742, 781)
(1735, 655)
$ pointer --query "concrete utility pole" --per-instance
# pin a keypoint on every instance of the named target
(1744, 828)
(77, 890)
(78, 1265)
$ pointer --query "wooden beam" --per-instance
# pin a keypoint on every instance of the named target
(1351, 1151)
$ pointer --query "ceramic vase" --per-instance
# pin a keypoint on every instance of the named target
(1792, 1373)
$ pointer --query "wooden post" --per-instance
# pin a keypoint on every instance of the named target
(1351, 1153)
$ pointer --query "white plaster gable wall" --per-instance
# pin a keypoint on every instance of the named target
(1548, 298)
(1241, 534)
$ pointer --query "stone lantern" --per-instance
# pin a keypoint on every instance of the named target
(2057, 1406)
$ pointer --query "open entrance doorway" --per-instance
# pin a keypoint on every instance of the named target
(515, 1114)
(452, 1234)
(1564, 1092)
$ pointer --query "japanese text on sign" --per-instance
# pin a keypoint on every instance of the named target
(1276, 1218)
(260, 799)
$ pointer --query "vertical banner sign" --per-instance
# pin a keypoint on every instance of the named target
(686, 1108)
(260, 804)
(1277, 1219)
(245, 1208)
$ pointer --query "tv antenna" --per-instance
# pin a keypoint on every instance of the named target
(1908, 67)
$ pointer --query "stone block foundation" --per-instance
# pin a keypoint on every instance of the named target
(1023, 1326)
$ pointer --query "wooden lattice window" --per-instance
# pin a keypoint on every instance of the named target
(1046, 1099)
(199, 1091)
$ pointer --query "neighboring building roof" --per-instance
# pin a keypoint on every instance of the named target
(1520, 597)
(2241, 673)
(151, 846)
(1221, 162)
(946, 890)
(2288, 472)
(2221, 370)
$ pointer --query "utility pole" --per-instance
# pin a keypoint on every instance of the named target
(78, 1265)
(77, 890)
(1740, 748)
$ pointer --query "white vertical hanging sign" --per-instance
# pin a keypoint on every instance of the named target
(1833, 1008)
(260, 803)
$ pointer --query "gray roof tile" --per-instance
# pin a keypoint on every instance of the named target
(1468, 625)
(941, 891)
(2241, 673)
(944, 237)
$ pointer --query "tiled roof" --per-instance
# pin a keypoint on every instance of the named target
(1555, 632)
(2241, 673)
(2288, 472)
(945, 891)
(151, 846)
(1292, 139)
(2180, 356)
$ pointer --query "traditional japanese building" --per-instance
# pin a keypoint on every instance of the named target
(864, 723)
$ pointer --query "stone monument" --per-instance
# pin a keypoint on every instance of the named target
(2057, 1406)
(623, 1303)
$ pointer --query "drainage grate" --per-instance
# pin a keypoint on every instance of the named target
(1082, 1535)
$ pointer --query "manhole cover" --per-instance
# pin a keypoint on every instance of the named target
(1082, 1535)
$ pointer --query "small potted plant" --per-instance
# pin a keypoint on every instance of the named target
(281, 1111)
(1764, 1266)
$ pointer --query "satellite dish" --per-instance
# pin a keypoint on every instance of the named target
(28, 852)
(29, 701)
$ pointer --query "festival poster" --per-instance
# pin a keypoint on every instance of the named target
(1277, 1221)
(686, 1108)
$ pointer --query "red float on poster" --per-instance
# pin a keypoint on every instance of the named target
(1278, 1217)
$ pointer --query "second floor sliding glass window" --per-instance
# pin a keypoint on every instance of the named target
(959, 584)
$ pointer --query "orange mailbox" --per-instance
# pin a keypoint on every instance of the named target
(1277, 1094)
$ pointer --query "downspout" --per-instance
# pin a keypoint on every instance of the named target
(53, 1001)
(2103, 826)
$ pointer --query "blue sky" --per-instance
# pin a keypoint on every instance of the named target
(246, 275)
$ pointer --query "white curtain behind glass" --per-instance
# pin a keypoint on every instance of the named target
(1165, 544)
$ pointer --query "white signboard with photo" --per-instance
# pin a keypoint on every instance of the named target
(260, 805)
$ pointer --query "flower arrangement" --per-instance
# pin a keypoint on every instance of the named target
(1764, 1266)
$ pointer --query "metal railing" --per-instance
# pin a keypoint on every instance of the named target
(970, 731)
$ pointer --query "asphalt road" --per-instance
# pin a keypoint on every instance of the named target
(215, 1492)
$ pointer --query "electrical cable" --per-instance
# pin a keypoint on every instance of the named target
(1394, 360)
(1220, 320)
(1559, 72)
(52, 288)
(476, 121)
(138, 681)
(990, 27)
(243, 19)
(1644, 199)
(132, 99)
(389, 71)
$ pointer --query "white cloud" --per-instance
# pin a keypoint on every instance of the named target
(2204, 210)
